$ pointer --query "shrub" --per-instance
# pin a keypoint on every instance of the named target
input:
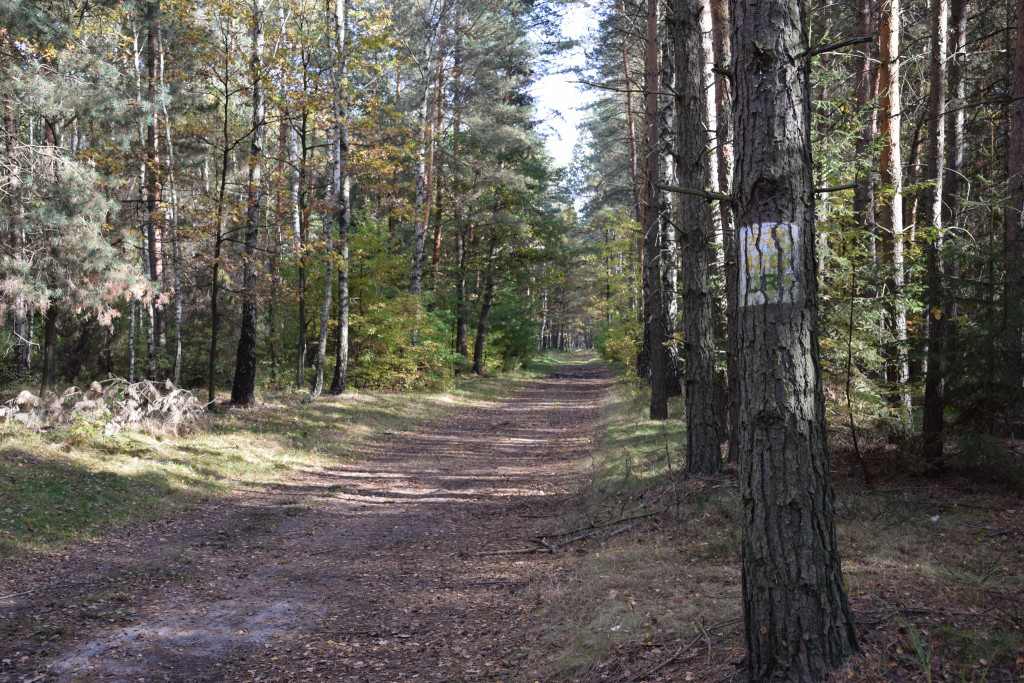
(383, 353)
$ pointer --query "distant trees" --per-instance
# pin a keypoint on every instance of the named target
(155, 120)
(914, 170)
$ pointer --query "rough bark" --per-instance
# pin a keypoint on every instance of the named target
(935, 379)
(243, 389)
(684, 27)
(797, 617)
(654, 313)
(891, 207)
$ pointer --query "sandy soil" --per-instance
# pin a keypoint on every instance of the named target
(391, 568)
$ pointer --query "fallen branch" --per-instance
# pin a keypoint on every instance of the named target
(14, 595)
(511, 551)
(621, 530)
(668, 662)
(601, 525)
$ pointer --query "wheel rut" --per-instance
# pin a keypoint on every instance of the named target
(367, 571)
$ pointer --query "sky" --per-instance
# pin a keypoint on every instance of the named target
(558, 97)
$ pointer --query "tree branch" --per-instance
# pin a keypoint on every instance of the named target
(835, 46)
(710, 196)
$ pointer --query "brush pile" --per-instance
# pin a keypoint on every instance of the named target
(112, 405)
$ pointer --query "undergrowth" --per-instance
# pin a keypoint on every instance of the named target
(934, 572)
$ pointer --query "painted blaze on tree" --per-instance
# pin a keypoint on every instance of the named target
(797, 617)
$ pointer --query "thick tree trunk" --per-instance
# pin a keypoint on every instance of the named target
(935, 377)
(653, 300)
(243, 389)
(891, 211)
(797, 617)
(684, 27)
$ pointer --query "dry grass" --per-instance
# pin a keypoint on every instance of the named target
(935, 572)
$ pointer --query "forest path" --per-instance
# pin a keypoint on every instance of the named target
(368, 571)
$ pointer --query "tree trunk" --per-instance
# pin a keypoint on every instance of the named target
(669, 218)
(12, 206)
(723, 114)
(634, 161)
(221, 224)
(1015, 223)
(935, 378)
(485, 311)
(342, 191)
(891, 211)
(303, 233)
(653, 300)
(864, 195)
(325, 314)
(132, 314)
(243, 390)
(49, 350)
(154, 183)
(956, 132)
(797, 617)
(461, 306)
(424, 124)
(175, 240)
(684, 27)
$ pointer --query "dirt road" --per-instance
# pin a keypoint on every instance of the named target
(371, 571)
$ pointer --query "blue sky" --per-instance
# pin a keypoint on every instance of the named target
(558, 97)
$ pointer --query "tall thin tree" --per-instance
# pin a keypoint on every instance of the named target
(243, 389)
(683, 25)
(933, 419)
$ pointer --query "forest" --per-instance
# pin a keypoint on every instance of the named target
(791, 232)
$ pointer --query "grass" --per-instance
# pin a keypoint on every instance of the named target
(937, 589)
(75, 483)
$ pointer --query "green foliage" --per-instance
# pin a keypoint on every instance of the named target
(513, 331)
(619, 341)
(384, 355)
